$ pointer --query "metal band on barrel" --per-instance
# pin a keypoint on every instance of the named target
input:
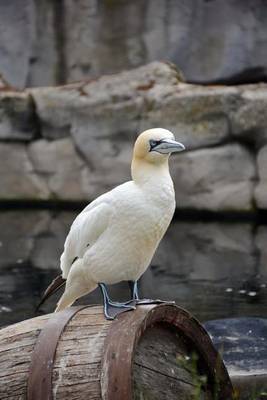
(43, 356)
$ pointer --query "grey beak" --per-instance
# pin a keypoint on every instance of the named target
(167, 146)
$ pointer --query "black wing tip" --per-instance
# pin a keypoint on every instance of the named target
(54, 286)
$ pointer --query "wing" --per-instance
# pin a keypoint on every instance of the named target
(85, 230)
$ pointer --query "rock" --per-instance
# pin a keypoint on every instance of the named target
(33, 237)
(49, 242)
(243, 345)
(249, 121)
(217, 259)
(199, 116)
(18, 179)
(216, 179)
(192, 258)
(17, 116)
(206, 251)
(17, 25)
(44, 65)
(87, 131)
(261, 188)
(260, 241)
(56, 105)
(16, 237)
(118, 45)
(3, 83)
(211, 41)
(60, 167)
(103, 118)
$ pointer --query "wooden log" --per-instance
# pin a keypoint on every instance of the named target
(155, 352)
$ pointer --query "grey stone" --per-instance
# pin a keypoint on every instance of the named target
(17, 20)
(60, 168)
(54, 108)
(18, 178)
(204, 266)
(44, 66)
(224, 42)
(243, 346)
(17, 237)
(199, 116)
(216, 179)
(249, 121)
(195, 265)
(260, 242)
(35, 237)
(49, 241)
(89, 128)
(261, 188)
(209, 40)
(3, 83)
(206, 251)
(17, 116)
(60, 41)
(103, 117)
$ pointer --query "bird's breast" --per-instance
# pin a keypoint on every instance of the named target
(126, 248)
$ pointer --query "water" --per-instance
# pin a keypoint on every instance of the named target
(213, 269)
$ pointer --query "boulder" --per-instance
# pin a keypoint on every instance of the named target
(243, 346)
(60, 168)
(62, 41)
(4, 85)
(261, 188)
(199, 116)
(249, 121)
(17, 237)
(49, 240)
(59, 107)
(18, 178)
(17, 116)
(81, 136)
(17, 31)
(45, 65)
(210, 251)
(211, 41)
(216, 179)
(260, 242)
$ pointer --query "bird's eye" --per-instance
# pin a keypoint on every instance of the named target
(153, 143)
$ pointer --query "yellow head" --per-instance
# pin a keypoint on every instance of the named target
(155, 145)
(153, 148)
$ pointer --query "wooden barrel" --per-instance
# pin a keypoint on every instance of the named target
(155, 352)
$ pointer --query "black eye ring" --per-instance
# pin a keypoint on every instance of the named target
(153, 143)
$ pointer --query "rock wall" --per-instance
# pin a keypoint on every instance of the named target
(225, 261)
(47, 42)
(74, 142)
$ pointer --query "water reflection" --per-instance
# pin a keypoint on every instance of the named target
(214, 270)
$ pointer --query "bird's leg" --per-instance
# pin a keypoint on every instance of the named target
(134, 290)
(112, 309)
(135, 296)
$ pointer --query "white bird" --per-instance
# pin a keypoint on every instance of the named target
(115, 237)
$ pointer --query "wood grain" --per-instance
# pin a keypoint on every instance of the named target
(160, 367)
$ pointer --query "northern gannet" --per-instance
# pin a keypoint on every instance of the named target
(115, 237)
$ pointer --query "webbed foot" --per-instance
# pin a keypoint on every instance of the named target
(112, 310)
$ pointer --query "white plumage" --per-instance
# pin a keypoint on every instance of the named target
(115, 237)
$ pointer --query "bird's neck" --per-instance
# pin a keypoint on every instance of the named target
(145, 173)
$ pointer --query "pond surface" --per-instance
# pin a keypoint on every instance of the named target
(213, 269)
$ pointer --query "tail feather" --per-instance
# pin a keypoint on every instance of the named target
(54, 286)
